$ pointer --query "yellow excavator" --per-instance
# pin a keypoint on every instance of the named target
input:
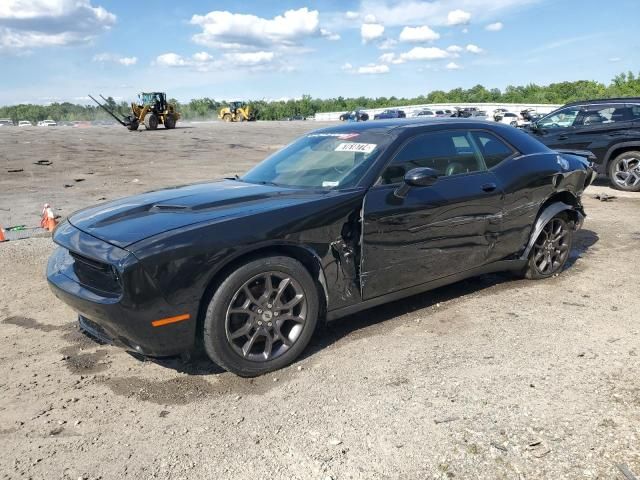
(237, 112)
(151, 109)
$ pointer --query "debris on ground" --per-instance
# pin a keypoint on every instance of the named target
(626, 472)
(603, 197)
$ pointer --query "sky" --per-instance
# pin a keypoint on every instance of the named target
(62, 50)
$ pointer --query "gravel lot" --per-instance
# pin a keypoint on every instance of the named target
(491, 378)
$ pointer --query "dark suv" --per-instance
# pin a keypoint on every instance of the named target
(610, 128)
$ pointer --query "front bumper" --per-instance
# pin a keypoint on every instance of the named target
(122, 317)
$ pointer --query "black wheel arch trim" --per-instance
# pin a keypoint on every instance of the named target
(545, 217)
(617, 146)
(275, 248)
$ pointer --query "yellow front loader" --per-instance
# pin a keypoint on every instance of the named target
(237, 112)
(151, 109)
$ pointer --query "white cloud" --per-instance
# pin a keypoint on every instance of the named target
(329, 35)
(370, 69)
(390, 58)
(424, 53)
(234, 30)
(26, 24)
(453, 66)
(388, 44)
(202, 57)
(205, 62)
(250, 58)
(458, 17)
(128, 61)
(454, 49)
(418, 34)
(494, 27)
(113, 58)
(435, 12)
(352, 15)
(371, 31)
(373, 69)
(171, 60)
(369, 18)
(614, 59)
(471, 48)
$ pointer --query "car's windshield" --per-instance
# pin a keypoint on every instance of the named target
(321, 160)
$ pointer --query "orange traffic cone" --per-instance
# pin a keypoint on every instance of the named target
(2, 239)
(48, 221)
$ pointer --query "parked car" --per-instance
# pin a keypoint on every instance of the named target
(425, 113)
(6, 122)
(610, 128)
(296, 118)
(527, 113)
(249, 266)
(498, 112)
(47, 123)
(390, 113)
(509, 118)
(25, 123)
(465, 112)
(442, 113)
(357, 115)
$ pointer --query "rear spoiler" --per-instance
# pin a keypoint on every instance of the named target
(580, 153)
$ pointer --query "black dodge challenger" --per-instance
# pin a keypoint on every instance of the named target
(342, 219)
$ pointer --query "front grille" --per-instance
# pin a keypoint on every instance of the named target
(95, 275)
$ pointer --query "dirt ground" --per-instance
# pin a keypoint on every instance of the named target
(491, 378)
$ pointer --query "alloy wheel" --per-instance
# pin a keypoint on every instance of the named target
(627, 172)
(552, 247)
(266, 316)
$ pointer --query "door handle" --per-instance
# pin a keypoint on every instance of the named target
(489, 187)
(563, 137)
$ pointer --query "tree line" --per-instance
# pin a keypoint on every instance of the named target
(622, 85)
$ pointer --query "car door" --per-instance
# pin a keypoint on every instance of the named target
(557, 129)
(435, 231)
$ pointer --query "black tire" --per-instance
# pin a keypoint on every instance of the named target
(219, 327)
(549, 255)
(150, 121)
(169, 121)
(133, 126)
(624, 171)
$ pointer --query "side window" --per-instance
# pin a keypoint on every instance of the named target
(450, 153)
(561, 119)
(492, 148)
(603, 114)
(634, 112)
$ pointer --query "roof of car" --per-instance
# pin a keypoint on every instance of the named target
(605, 100)
(403, 124)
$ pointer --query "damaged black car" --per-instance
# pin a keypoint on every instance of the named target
(342, 219)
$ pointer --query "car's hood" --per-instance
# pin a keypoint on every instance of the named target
(131, 219)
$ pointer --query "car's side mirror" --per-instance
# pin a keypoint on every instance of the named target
(421, 177)
(417, 177)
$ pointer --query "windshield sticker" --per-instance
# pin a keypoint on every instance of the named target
(356, 147)
(341, 136)
(330, 184)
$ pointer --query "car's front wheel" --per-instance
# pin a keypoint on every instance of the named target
(551, 249)
(262, 316)
(624, 171)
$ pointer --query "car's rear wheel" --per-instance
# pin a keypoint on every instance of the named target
(551, 249)
(624, 171)
(261, 317)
